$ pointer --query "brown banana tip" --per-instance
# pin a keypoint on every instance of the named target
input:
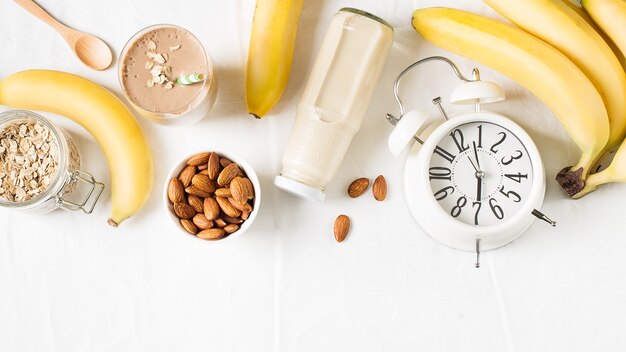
(571, 182)
(112, 223)
(255, 115)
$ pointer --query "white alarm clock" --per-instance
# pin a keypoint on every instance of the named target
(474, 181)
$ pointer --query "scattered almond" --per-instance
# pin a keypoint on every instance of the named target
(228, 173)
(189, 226)
(175, 191)
(358, 187)
(211, 208)
(211, 234)
(184, 210)
(198, 159)
(187, 174)
(342, 227)
(202, 222)
(379, 189)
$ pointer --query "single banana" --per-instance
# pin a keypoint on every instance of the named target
(104, 116)
(610, 15)
(576, 6)
(539, 67)
(558, 25)
(271, 51)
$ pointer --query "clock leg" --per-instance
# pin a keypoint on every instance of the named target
(477, 253)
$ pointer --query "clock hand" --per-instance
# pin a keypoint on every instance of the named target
(476, 155)
(479, 185)
(473, 165)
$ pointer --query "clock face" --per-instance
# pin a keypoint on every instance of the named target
(480, 173)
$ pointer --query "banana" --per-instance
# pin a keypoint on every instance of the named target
(558, 25)
(542, 69)
(615, 172)
(610, 15)
(575, 5)
(271, 51)
(104, 116)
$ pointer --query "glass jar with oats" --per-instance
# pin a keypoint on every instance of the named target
(40, 167)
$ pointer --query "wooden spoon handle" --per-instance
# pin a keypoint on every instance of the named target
(37, 11)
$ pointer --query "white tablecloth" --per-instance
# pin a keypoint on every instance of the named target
(69, 282)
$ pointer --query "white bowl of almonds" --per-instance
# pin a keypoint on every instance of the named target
(213, 195)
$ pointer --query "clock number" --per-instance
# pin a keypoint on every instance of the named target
(510, 194)
(493, 147)
(480, 204)
(460, 203)
(440, 173)
(443, 193)
(460, 141)
(518, 155)
(444, 154)
(517, 178)
(480, 136)
(496, 209)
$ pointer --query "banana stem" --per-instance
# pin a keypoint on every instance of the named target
(593, 181)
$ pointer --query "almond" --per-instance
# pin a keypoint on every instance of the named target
(220, 223)
(211, 208)
(193, 190)
(358, 187)
(203, 183)
(202, 222)
(196, 202)
(184, 210)
(225, 162)
(245, 215)
(227, 174)
(203, 167)
(227, 208)
(214, 166)
(198, 159)
(176, 191)
(342, 227)
(379, 189)
(189, 226)
(243, 207)
(203, 172)
(223, 192)
(241, 188)
(211, 234)
(231, 220)
(186, 175)
(231, 228)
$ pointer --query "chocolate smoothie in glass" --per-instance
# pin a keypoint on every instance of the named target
(153, 66)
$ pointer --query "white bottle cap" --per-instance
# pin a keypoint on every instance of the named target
(299, 189)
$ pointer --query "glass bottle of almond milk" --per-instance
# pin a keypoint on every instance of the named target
(334, 102)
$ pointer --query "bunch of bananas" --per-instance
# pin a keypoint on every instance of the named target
(570, 60)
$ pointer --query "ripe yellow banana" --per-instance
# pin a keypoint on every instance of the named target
(271, 50)
(610, 15)
(542, 69)
(558, 25)
(615, 172)
(575, 5)
(104, 116)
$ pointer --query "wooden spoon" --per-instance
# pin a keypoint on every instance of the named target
(91, 50)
